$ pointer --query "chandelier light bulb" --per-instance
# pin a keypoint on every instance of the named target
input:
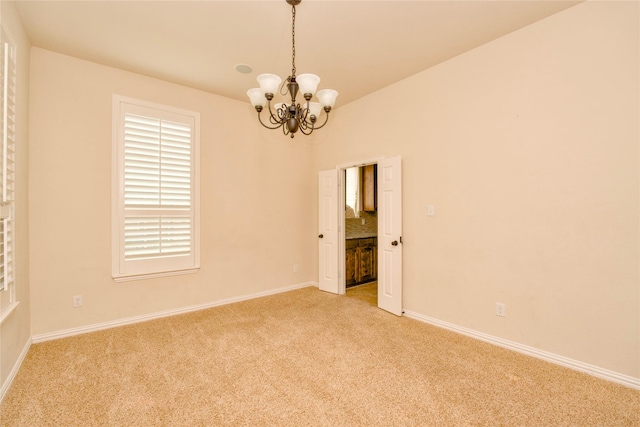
(269, 83)
(314, 109)
(257, 97)
(327, 97)
(308, 83)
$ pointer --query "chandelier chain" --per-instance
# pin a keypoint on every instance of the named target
(293, 40)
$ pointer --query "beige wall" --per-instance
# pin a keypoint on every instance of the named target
(528, 148)
(15, 332)
(255, 222)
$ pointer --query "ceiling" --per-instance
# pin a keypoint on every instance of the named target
(356, 47)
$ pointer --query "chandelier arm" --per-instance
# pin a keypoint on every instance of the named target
(326, 119)
(307, 127)
(311, 129)
(274, 119)
(306, 124)
(268, 127)
(305, 115)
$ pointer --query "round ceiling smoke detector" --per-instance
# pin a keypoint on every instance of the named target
(243, 68)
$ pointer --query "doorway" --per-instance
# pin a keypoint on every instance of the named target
(361, 232)
(331, 231)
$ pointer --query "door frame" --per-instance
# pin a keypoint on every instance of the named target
(342, 277)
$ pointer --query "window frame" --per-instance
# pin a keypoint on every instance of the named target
(9, 65)
(161, 265)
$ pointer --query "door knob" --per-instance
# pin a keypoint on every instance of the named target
(394, 243)
(321, 236)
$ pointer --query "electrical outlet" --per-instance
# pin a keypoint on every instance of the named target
(77, 300)
(431, 210)
(501, 310)
(363, 221)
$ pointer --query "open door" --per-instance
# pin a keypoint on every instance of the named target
(328, 231)
(390, 235)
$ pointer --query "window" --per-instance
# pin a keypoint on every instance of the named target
(155, 190)
(7, 172)
(352, 193)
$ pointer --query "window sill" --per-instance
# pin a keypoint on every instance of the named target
(8, 311)
(131, 278)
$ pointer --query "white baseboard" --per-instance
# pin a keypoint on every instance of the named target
(143, 318)
(14, 371)
(615, 377)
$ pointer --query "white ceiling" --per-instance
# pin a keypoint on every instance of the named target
(356, 47)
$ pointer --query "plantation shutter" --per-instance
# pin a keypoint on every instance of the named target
(157, 213)
(7, 160)
(157, 176)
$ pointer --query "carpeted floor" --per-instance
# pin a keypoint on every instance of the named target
(301, 358)
(367, 292)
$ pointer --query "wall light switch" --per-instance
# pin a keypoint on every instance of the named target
(431, 210)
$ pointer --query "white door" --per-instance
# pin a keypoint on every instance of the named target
(389, 235)
(328, 230)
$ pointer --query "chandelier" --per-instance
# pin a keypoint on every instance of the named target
(291, 116)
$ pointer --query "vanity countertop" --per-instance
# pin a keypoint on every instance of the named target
(361, 236)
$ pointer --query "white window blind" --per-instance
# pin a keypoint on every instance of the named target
(7, 161)
(156, 216)
(157, 176)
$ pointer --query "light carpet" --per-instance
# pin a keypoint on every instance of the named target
(301, 358)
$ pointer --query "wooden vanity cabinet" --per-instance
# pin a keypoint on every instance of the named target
(367, 262)
(369, 188)
(351, 261)
(361, 263)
